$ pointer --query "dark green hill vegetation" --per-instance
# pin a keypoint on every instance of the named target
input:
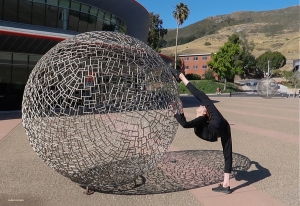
(267, 22)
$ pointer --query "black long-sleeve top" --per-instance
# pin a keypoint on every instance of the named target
(211, 129)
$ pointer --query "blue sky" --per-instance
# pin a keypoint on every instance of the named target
(200, 9)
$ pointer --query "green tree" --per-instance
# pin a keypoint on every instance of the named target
(156, 31)
(247, 60)
(293, 78)
(209, 74)
(180, 14)
(287, 75)
(225, 62)
(234, 38)
(277, 60)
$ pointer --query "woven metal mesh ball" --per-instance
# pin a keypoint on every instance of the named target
(267, 87)
(96, 108)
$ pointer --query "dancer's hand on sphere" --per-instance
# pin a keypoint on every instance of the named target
(175, 107)
(172, 106)
(180, 106)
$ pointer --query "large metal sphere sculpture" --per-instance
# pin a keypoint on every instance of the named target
(267, 87)
(96, 108)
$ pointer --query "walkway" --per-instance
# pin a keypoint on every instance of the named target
(264, 130)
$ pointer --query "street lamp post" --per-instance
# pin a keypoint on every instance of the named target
(268, 78)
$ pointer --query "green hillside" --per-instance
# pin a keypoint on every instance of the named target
(270, 23)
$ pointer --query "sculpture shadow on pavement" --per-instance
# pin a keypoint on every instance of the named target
(179, 171)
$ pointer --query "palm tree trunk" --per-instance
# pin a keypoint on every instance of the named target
(176, 46)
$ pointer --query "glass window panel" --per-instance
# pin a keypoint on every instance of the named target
(83, 20)
(75, 6)
(73, 20)
(5, 80)
(64, 3)
(20, 59)
(99, 24)
(1, 8)
(38, 14)
(92, 23)
(94, 11)
(113, 20)
(101, 14)
(19, 74)
(5, 73)
(39, 1)
(33, 59)
(18, 82)
(5, 58)
(51, 16)
(85, 8)
(24, 12)
(107, 16)
(52, 2)
(107, 26)
(29, 70)
(10, 10)
(63, 15)
(118, 21)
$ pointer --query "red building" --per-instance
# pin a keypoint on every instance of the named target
(195, 63)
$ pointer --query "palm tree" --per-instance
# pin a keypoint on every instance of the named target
(180, 14)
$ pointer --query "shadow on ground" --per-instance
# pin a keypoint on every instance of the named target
(251, 176)
(179, 171)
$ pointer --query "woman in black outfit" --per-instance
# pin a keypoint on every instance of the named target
(209, 125)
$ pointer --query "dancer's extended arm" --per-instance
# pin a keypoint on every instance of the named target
(201, 96)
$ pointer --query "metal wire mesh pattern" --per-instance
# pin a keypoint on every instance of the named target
(96, 108)
(267, 87)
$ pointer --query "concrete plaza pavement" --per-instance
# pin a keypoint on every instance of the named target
(264, 130)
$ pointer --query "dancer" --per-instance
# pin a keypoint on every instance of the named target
(209, 125)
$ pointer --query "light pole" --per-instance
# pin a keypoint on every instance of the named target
(268, 78)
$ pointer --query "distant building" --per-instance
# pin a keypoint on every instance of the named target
(195, 63)
(29, 28)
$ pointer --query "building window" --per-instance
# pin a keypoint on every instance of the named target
(186, 58)
(10, 10)
(186, 67)
(73, 20)
(38, 14)
(204, 66)
(63, 14)
(204, 58)
(51, 16)
(5, 58)
(195, 58)
(195, 67)
(52, 2)
(24, 12)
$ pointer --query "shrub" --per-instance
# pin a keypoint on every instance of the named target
(193, 76)
(207, 43)
(209, 74)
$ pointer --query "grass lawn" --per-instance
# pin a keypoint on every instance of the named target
(207, 86)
